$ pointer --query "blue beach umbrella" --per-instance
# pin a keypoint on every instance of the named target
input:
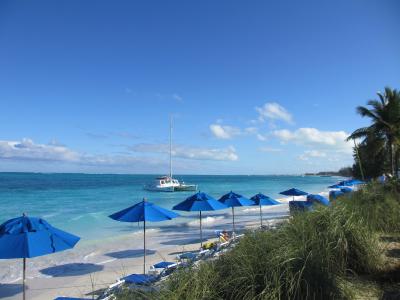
(200, 202)
(233, 200)
(261, 199)
(350, 182)
(25, 237)
(293, 192)
(318, 198)
(142, 212)
(346, 189)
(335, 186)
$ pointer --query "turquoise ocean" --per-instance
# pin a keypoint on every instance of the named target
(81, 203)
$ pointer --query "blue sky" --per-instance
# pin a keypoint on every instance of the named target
(267, 87)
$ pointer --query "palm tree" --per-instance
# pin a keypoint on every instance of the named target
(385, 117)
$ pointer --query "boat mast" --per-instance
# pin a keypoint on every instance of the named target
(170, 147)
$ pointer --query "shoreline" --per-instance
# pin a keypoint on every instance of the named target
(101, 262)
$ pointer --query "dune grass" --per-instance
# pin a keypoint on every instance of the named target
(310, 257)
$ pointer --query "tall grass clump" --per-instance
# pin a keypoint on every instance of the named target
(305, 259)
(311, 256)
(378, 205)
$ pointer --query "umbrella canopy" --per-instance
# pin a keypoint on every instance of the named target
(319, 199)
(233, 200)
(199, 202)
(261, 199)
(26, 237)
(293, 192)
(142, 212)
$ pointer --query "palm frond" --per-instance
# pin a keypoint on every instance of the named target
(365, 112)
(359, 133)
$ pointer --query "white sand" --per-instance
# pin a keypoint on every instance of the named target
(96, 265)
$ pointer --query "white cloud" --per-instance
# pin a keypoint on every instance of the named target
(28, 150)
(312, 154)
(251, 130)
(225, 154)
(273, 111)
(332, 140)
(261, 137)
(224, 132)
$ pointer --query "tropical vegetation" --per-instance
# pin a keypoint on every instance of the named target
(379, 150)
(332, 252)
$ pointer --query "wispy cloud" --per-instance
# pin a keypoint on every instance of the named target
(334, 140)
(177, 97)
(188, 152)
(261, 137)
(312, 154)
(26, 149)
(273, 111)
(224, 132)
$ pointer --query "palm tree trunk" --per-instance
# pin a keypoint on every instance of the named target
(396, 161)
(391, 155)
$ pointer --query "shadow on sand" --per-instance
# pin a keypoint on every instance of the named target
(74, 269)
(8, 290)
(129, 253)
(182, 242)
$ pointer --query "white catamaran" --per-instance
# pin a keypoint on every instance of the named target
(168, 183)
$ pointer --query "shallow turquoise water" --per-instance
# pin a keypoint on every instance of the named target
(80, 203)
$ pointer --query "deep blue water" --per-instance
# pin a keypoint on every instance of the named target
(80, 203)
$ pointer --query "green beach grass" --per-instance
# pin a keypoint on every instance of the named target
(323, 254)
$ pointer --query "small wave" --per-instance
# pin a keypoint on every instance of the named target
(14, 280)
(106, 261)
(207, 220)
(77, 218)
(89, 255)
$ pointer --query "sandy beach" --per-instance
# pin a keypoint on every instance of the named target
(95, 265)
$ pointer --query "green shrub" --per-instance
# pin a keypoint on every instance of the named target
(310, 257)
(378, 205)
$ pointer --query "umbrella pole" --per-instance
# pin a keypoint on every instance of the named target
(233, 222)
(260, 215)
(144, 247)
(23, 278)
(201, 234)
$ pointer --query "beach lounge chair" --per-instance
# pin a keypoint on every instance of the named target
(133, 281)
(140, 279)
(163, 268)
(299, 206)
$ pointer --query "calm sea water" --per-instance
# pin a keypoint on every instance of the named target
(80, 203)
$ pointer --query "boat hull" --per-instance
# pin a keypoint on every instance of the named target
(186, 188)
(159, 189)
(170, 189)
